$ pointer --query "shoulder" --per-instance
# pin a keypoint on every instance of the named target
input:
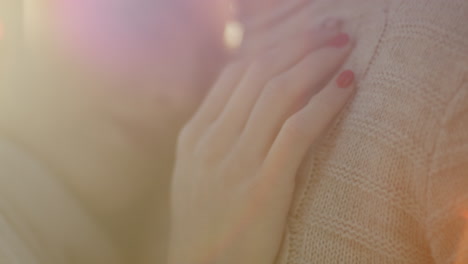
(13, 248)
(42, 216)
(433, 32)
(447, 183)
(18, 243)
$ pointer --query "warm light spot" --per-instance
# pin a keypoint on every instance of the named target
(462, 250)
(233, 35)
(465, 214)
(31, 20)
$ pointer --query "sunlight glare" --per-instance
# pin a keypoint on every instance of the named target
(233, 35)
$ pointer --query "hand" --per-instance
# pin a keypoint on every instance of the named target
(264, 10)
(238, 157)
(270, 21)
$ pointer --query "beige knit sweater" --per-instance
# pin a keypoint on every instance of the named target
(389, 183)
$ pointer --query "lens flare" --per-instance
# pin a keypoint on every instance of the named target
(119, 36)
(233, 35)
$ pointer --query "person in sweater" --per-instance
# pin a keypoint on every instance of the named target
(388, 183)
(92, 101)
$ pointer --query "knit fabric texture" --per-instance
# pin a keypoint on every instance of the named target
(389, 181)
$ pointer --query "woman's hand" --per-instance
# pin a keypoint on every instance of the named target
(238, 157)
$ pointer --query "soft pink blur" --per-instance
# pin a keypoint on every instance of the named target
(159, 56)
(128, 36)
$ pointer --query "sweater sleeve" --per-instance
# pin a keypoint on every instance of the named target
(447, 189)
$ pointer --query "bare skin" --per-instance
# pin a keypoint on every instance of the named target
(238, 157)
(242, 149)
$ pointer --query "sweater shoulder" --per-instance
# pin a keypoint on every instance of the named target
(429, 41)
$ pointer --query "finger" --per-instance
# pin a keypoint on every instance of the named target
(266, 20)
(304, 128)
(286, 20)
(289, 92)
(232, 119)
(247, 9)
(216, 99)
(264, 40)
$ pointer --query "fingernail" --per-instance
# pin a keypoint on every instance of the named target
(331, 23)
(339, 41)
(345, 79)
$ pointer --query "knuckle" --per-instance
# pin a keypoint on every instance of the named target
(245, 156)
(262, 64)
(236, 66)
(186, 130)
(327, 108)
(207, 156)
(211, 148)
(233, 70)
(296, 127)
(275, 89)
(278, 83)
(185, 138)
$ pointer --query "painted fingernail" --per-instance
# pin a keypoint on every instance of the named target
(331, 23)
(339, 41)
(345, 79)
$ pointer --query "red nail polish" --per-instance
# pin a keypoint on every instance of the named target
(345, 79)
(339, 41)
